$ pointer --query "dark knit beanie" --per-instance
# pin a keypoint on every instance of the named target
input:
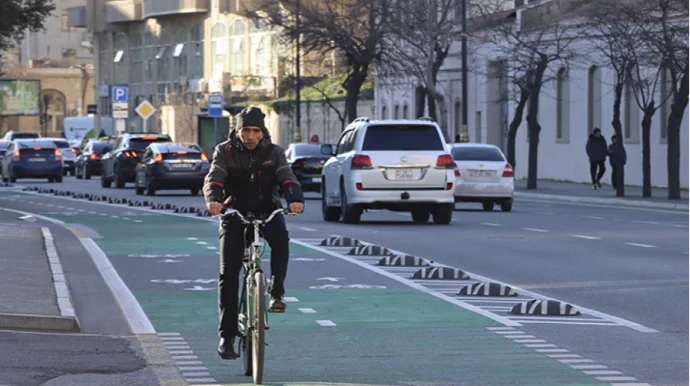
(250, 116)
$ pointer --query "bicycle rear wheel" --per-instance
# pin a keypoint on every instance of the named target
(259, 326)
(245, 342)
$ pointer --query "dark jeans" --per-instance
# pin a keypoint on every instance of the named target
(232, 243)
(593, 165)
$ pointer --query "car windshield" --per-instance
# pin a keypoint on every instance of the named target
(32, 144)
(141, 143)
(468, 153)
(308, 150)
(61, 144)
(402, 137)
(99, 146)
(24, 135)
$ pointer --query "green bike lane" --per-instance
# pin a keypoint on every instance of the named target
(344, 324)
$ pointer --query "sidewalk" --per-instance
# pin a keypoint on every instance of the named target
(583, 193)
(31, 278)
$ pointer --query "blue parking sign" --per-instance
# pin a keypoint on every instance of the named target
(215, 105)
(120, 94)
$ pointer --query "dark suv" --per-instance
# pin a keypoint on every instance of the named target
(119, 163)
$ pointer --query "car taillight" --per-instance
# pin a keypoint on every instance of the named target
(94, 156)
(158, 158)
(58, 153)
(449, 185)
(445, 161)
(456, 171)
(359, 186)
(73, 151)
(16, 155)
(203, 157)
(361, 161)
(130, 154)
(508, 171)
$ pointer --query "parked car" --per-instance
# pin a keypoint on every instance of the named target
(3, 150)
(32, 158)
(399, 165)
(483, 175)
(307, 163)
(68, 154)
(171, 166)
(120, 162)
(89, 162)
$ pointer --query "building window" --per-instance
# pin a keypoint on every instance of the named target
(64, 21)
(260, 61)
(631, 121)
(238, 65)
(105, 59)
(396, 112)
(197, 54)
(180, 53)
(383, 112)
(218, 49)
(163, 56)
(120, 59)
(406, 112)
(593, 99)
(562, 106)
(150, 42)
(137, 56)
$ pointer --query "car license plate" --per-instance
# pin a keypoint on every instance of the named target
(316, 179)
(404, 174)
(482, 173)
(37, 159)
(183, 166)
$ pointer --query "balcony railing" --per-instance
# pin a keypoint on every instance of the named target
(153, 8)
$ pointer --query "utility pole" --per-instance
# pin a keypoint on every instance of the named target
(464, 134)
(298, 117)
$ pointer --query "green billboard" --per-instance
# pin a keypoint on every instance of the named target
(20, 97)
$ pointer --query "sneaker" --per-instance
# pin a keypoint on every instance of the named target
(599, 184)
(594, 187)
(226, 349)
(276, 305)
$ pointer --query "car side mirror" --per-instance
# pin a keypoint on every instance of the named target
(327, 149)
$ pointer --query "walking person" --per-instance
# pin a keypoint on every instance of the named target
(614, 157)
(597, 151)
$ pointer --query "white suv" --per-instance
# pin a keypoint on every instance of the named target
(399, 165)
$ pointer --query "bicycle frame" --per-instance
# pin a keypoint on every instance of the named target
(252, 266)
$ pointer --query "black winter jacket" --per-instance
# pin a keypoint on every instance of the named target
(597, 150)
(259, 192)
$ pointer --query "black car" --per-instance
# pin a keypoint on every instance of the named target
(119, 163)
(89, 162)
(307, 162)
(171, 166)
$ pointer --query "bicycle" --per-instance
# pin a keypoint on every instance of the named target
(252, 342)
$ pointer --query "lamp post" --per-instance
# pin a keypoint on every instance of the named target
(464, 134)
(298, 113)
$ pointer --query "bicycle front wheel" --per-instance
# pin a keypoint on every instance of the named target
(259, 324)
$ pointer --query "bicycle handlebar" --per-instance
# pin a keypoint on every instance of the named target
(235, 212)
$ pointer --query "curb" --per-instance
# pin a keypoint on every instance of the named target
(38, 322)
(600, 200)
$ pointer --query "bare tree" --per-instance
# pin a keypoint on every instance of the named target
(353, 29)
(531, 45)
(665, 24)
(422, 33)
(331, 104)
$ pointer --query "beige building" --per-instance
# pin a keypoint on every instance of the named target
(174, 53)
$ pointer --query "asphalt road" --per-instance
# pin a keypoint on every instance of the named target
(625, 269)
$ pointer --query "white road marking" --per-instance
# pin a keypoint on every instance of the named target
(192, 238)
(568, 361)
(602, 372)
(201, 242)
(138, 221)
(593, 217)
(325, 323)
(195, 381)
(307, 229)
(168, 334)
(614, 378)
(588, 367)
(192, 368)
(645, 222)
(641, 245)
(211, 248)
(563, 356)
(188, 363)
(290, 299)
(183, 357)
(503, 329)
(530, 341)
(307, 310)
(196, 374)
(536, 230)
(491, 224)
(587, 237)
(548, 350)
(541, 345)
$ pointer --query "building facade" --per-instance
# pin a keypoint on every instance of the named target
(579, 98)
(174, 53)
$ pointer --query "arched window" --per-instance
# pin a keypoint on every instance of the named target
(238, 66)
(383, 112)
(260, 61)
(562, 106)
(406, 112)
(218, 48)
(593, 99)
(631, 121)
(396, 112)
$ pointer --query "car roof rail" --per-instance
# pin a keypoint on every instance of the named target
(429, 119)
(361, 119)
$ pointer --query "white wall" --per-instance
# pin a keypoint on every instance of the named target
(561, 159)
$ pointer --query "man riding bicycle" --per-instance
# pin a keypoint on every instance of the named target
(249, 171)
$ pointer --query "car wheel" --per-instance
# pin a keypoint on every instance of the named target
(119, 181)
(420, 216)
(105, 182)
(78, 173)
(150, 188)
(58, 178)
(349, 214)
(488, 205)
(329, 213)
(443, 214)
(506, 206)
(51, 179)
(85, 173)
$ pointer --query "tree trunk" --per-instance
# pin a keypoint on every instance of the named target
(353, 85)
(620, 148)
(419, 96)
(533, 127)
(648, 112)
(675, 120)
(431, 105)
(515, 124)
